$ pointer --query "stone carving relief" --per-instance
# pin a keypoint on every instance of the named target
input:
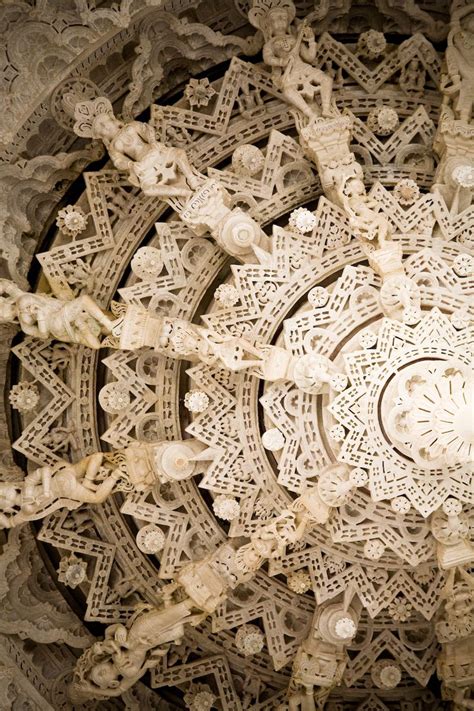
(290, 53)
(158, 170)
(77, 321)
(457, 86)
(34, 129)
(31, 607)
(240, 393)
(454, 174)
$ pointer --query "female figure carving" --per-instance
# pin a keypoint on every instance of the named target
(159, 170)
(48, 488)
(112, 666)
(290, 53)
(77, 321)
(459, 82)
(368, 224)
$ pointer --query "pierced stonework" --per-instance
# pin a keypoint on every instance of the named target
(241, 391)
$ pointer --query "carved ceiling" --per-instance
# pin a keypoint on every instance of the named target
(236, 312)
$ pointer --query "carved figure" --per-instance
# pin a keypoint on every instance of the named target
(93, 478)
(455, 631)
(310, 507)
(367, 223)
(159, 170)
(302, 700)
(327, 144)
(458, 619)
(206, 581)
(49, 488)
(271, 539)
(177, 338)
(317, 664)
(459, 82)
(62, 438)
(165, 172)
(209, 209)
(77, 321)
(10, 501)
(112, 666)
(312, 372)
(461, 700)
(250, 101)
(290, 51)
(248, 560)
(412, 77)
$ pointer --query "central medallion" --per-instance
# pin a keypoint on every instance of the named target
(411, 430)
(427, 413)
